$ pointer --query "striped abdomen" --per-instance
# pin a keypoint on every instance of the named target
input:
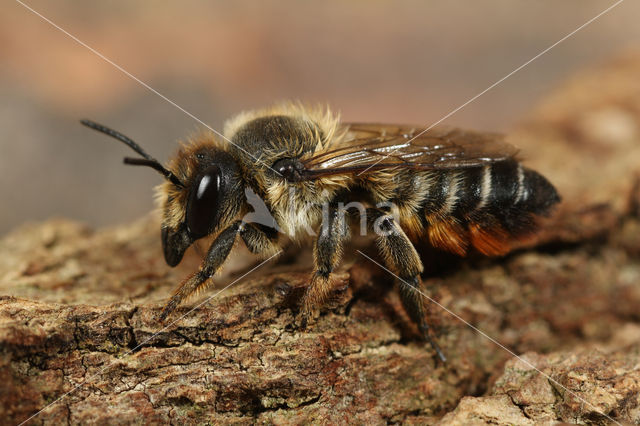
(486, 206)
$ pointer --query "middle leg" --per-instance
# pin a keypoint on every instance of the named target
(334, 232)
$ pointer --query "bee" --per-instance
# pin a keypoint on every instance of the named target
(457, 190)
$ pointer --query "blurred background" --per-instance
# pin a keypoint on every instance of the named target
(405, 61)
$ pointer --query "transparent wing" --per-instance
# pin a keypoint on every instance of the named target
(371, 147)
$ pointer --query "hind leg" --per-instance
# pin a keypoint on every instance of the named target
(403, 260)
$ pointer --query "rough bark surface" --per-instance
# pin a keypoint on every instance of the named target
(78, 326)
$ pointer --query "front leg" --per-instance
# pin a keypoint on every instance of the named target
(217, 254)
(327, 252)
(259, 240)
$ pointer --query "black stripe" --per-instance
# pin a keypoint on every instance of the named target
(438, 192)
(504, 185)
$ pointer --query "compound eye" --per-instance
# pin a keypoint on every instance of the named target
(204, 202)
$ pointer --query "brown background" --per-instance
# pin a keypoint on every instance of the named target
(373, 61)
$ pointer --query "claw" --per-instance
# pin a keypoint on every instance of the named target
(304, 319)
(168, 308)
(424, 328)
(189, 287)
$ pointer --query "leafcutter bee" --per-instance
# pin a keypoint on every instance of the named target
(458, 190)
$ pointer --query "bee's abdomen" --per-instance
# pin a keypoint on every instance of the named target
(486, 207)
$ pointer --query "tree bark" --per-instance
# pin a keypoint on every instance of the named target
(79, 337)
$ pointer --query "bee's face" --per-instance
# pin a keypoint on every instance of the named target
(211, 198)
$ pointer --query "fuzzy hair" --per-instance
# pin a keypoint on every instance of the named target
(295, 205)
(320, 125)
(323, 117)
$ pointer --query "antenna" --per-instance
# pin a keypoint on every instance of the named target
(146, 161)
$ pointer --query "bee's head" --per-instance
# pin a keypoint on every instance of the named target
(209, 200)
(203, 192)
